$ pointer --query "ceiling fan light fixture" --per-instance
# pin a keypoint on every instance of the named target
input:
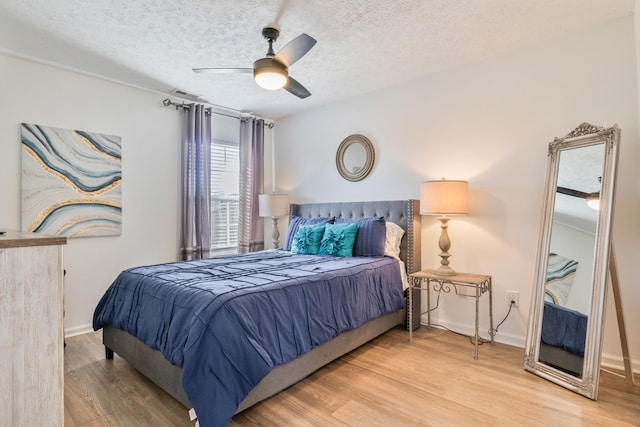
(270, 74)
(270, 80)
(593, 202)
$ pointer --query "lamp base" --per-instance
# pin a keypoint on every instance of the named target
(445, 244)
(445, 270)
(275, 233)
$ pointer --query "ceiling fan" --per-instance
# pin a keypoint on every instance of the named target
(272, 71)
(592, 199)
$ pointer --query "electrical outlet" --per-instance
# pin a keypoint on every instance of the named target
(513, 296)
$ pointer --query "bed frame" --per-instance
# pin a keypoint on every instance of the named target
(152, 364)
(561, 359)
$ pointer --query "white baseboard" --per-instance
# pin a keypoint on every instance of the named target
(608, 360)
(502, 338)
(615, 362)
(78, 330)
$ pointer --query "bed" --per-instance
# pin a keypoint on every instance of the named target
(563, 329)
(563, 338)
(164, 367)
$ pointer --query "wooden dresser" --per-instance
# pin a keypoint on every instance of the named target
(31, 330)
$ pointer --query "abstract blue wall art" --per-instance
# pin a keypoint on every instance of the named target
(71, 182)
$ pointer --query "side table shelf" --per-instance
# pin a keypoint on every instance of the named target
(479, 282)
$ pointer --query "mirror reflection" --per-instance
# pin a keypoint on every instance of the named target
(355, 157)
(569, 275)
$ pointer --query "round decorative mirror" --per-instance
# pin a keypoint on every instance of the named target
(355, 157)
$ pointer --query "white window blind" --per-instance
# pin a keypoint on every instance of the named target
(225, 178)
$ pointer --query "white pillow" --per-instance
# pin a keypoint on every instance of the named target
(393, 239)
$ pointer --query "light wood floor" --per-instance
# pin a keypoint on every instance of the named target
(388, 382)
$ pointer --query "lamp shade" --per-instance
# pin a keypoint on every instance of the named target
(443, 197)
(273, 205)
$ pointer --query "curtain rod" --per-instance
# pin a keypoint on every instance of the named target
(168, 103)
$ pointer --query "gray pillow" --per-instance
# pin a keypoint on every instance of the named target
(372, 233)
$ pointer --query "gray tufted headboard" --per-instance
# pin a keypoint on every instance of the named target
(405, 213)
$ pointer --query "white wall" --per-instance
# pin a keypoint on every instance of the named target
(489, 123)
(150, 134)
(577, 245)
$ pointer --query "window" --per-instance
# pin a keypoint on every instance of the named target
(225, 184)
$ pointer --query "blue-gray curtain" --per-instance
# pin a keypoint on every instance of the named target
(251, 226)
(195, 232)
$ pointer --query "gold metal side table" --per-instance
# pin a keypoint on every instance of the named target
(480, 282)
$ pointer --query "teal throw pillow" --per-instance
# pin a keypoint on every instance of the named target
(307, 239)
(338, 239)
(295, 222)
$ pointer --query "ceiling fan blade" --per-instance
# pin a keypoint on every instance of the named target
(295, 88)
(295, 49)
(573, 193)
(223, 70)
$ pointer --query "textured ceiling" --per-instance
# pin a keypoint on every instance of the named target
(363, 45)
(579, 169)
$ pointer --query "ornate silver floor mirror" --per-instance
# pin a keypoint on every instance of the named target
(564, 334)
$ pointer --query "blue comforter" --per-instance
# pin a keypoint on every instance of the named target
(228, 321)
(564, 328)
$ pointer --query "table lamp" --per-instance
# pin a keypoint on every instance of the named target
(444, 198)
(275, 206)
